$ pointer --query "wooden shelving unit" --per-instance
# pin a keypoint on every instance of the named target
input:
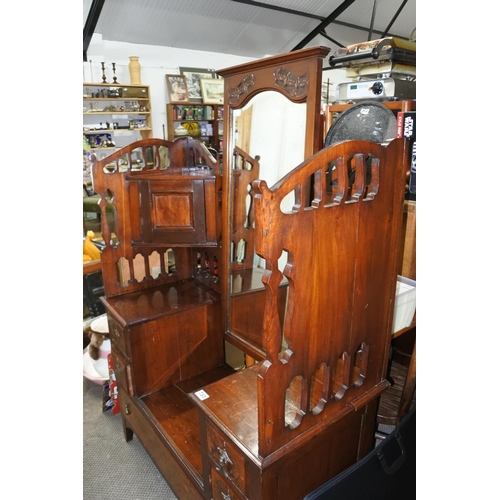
(206, 120)
(115, 115)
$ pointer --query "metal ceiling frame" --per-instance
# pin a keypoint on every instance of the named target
(384, 34)
(280, 9)
(97, 5)
(90, 24)
(333, 21)
(321, 27)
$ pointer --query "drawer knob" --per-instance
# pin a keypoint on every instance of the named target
(127, 409)
(116, 331)
(225, 497)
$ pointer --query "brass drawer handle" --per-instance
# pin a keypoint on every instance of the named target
(226, 464)
(224, 457)
(116, 331)
(127, 409)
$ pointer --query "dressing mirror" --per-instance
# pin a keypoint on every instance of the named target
(273, 110)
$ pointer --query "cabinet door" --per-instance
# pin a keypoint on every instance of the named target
(174, 211)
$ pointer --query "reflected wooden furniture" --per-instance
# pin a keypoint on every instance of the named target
(245, 170)
(303, 413)
(295, 76)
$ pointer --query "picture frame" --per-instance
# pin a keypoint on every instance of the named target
(212, 90)
(193, 76)
(177, 89)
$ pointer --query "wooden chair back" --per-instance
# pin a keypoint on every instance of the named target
(343, 254)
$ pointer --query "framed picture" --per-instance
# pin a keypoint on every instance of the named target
(193, 76)
(177, 88)
(212, 90)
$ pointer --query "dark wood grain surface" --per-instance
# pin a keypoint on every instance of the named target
(307, 409)
(156, 302)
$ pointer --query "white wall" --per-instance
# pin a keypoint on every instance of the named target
(156, 62)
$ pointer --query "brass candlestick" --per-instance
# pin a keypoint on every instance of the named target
(114, 76)
(103, 73)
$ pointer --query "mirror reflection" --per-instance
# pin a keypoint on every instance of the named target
(268, 140)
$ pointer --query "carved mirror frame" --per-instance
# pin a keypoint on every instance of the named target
(298, 77)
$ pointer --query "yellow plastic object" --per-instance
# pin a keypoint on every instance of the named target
(89, 248)
(193, 128)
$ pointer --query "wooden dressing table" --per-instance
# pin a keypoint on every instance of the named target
(321, 325)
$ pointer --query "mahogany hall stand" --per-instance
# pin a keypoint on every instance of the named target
(302, 413)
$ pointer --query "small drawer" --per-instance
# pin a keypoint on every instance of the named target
(227, 460)
(221, 490)
(117, 334)
(122, 373)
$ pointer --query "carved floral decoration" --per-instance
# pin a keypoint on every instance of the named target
(294, 85)
(241, 89)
